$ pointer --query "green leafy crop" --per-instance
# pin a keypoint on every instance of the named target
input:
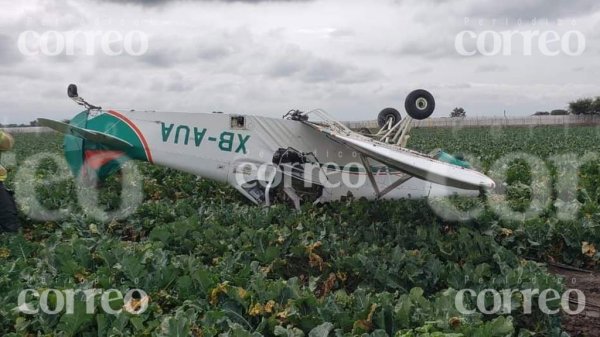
(213, 264)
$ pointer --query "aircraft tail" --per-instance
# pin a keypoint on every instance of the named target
(100, 144)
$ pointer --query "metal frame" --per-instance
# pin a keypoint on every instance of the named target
(326, 120)
(395, 134)
(380, 194)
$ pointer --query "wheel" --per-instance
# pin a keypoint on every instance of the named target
(72, 91)
(385, 115)
(419, 104)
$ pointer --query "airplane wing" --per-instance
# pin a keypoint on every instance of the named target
(94, 136)
(410, 162)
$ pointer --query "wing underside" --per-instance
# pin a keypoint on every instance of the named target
(92, 135)
(411, 162)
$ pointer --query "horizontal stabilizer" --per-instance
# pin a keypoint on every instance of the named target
(94, 136)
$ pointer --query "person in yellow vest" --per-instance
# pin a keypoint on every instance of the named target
(9, 220)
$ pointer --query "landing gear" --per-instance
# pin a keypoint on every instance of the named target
(388, 116)
(419, 104)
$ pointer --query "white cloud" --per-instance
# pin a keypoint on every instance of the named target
(265, 57)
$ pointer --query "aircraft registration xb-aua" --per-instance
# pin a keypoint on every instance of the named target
(302, 157)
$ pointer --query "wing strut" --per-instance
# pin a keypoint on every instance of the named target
(381, 194)
(365, 162)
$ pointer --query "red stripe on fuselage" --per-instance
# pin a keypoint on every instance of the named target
(137, 131)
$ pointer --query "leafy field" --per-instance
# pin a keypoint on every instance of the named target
(213, 264)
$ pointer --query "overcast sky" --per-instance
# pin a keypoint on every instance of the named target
(351, 58)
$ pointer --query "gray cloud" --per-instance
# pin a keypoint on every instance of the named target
(342, 33)
(165, 54)
(9, 54)
(162, 57)
(209, 56)
(298, 64)
(529, 9)
(430, 48)
(164, 2)
(421, 70)
(319, 70)
(212, 53)
(526, 9)
(491, 68)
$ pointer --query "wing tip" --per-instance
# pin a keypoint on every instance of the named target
(488, 184)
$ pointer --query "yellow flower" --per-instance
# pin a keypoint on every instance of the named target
(135, 305)
(588, 248)
(93, 229)
(80, 277)
(269, 306)
(366, 324)
(255, 310)
(282, 314)
(266, 270)
(314, 260)
(214, 294)
(4, 253)
(314, 246)
(242, 293)
(197, 332)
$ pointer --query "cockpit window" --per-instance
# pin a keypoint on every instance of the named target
(238, 122)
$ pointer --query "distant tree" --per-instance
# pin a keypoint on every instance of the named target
(559, 112)
(596, 106)
(541, 113)
(458, 112)
(582, 106)
(33, 123)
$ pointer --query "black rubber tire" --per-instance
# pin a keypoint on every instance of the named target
(72, 91)
(419, 104)
(386, 114)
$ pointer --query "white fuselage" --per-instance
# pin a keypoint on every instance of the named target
(215, 146)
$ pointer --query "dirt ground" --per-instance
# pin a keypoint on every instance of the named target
(587, 323)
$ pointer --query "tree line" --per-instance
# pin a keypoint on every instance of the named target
(581, 106)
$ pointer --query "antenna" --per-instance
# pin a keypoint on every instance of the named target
(72, 93)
